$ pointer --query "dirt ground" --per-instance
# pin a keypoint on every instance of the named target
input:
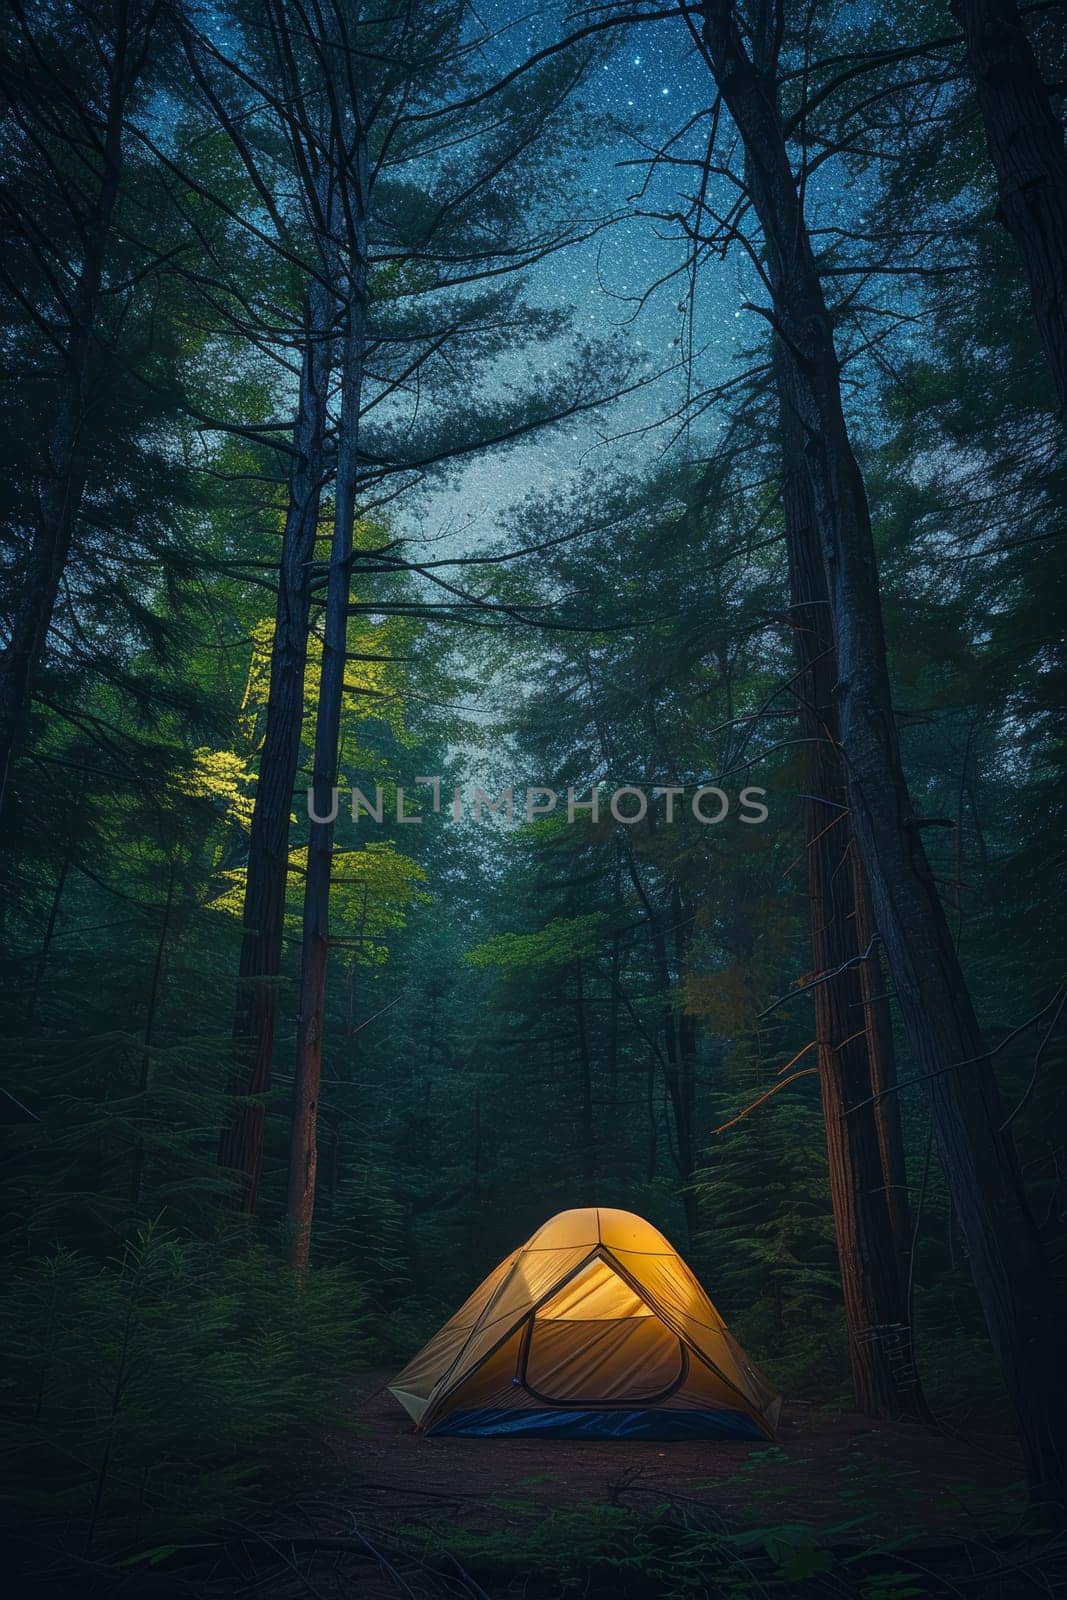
(825, 1470)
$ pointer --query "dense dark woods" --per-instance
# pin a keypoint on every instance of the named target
(1025, 142)
(1011, 1274)
(532, 676)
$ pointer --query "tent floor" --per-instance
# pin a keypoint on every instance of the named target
(559, 1422)
(825, 1468)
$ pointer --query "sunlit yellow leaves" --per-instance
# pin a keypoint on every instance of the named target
(222, 776)
(374, 886)
(227, 892)
(257, 683)
(371, 890)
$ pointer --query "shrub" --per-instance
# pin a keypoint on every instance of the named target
(147, 1395)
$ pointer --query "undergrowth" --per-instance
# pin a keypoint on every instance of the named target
(148, 1396)
(667, 1554)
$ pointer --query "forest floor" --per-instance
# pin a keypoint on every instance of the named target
(832, 1471)
(837, 1506)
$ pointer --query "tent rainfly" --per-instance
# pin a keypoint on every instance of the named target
(594, 1328)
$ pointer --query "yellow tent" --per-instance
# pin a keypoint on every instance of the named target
(594, 1328)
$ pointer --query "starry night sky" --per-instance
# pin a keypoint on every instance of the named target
(651, 85)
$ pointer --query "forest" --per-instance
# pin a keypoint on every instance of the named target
(532, 680)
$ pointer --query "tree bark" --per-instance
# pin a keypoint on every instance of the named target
(678, 1044)
(652, 1141)
(873, 1286)
(588, 1147)
(684, 1102)
(675, 1072)
(615, 970)
(154, 996)
(881, 1054)
(67, 862)
(353, 157)
(1026, 146)
(1009, 1265)
(241, 1144)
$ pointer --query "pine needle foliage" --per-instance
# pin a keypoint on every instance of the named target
(150, 1394)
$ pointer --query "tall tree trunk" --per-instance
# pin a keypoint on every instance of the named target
(873, 1286)
(1011, 1272)
(1026, 146)
(316, 927)
(881, 1054)
(614, 1000)
(241, 1143)
(50, 928)
(686, 1033)
(679, 1091)
(53, 911)
(674, 1065)
(652, 1136)
(67, 453)
(476, 1156)
(431, 1044)
(588, 1147)
(155, 993)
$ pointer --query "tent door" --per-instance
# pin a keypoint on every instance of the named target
(597, 1343)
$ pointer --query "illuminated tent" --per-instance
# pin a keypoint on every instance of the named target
(595, 1328)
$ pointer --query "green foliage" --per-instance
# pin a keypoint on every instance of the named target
(148, 1395)
(770, 1242)
(512, 1015)
(558, 943)
(677, 1554)
(624, 1552)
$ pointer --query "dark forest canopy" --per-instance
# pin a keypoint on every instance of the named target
(420, 402)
